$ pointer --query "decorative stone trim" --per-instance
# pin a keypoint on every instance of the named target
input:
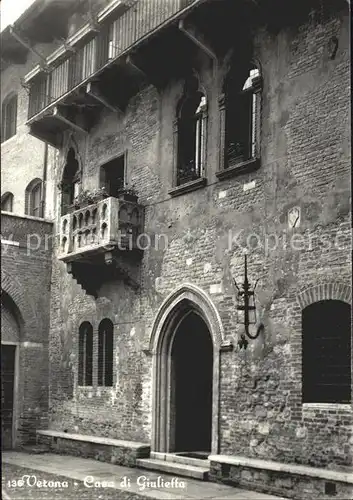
(201, 300)
(188, 186)
(183, 299)
(326, 291)
(324, 407)
(13, 289)
(244, 167)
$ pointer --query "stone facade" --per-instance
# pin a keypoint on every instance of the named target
(305, 164)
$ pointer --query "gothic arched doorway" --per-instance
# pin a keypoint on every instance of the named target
(186, 340)
(191, 385)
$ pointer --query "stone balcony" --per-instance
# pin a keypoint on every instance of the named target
(99, 242)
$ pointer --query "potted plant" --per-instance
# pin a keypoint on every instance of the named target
(128, 193)
(236, 152)
(99, 194)
(82, 199)
(188, 172)
(86, 197)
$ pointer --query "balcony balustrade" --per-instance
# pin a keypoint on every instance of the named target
(98, 228)
(99, 242)
(100, 47)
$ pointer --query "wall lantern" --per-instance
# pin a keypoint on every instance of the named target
(246, 304)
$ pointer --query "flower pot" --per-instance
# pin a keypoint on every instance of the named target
(128, 197)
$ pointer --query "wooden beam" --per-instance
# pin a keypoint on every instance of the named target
(197, 39)
(57, 114)
(92, 91)
(131, 62)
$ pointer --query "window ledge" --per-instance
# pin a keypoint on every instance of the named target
(25, 216)
(239, 168)
(188, 186)
(328, 406)
(7, 141)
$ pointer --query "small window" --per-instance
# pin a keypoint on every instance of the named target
(7, 202)
(85, 354)
(242, 103)
(105, 353)
(9, 117)
(191, 134)
(34, 198)
(70, 185)
(326, 361)
(112, 175)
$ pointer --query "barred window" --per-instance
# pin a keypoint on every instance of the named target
(9, 117)
(326, 344)
(85, 354)
(105, 352)
(7, 202)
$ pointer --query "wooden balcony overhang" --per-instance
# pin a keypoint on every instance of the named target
(117, 76)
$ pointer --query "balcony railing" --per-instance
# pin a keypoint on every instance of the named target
(97, 228)
(91, 54)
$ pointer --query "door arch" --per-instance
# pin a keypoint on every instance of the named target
(186, 300)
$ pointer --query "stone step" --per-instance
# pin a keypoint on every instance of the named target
(179, 459)
(176, 469)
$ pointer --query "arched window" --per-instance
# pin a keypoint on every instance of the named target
(7, 202)
(33, 201)
(70, 184)
(326, 343)
(85, 354)
(9, 117)
(105, 352)
(191, 133)
(240, 116)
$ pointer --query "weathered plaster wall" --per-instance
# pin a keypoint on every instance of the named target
(22, 156)
(305, 162)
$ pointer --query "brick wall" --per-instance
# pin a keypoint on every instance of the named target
(305, 162)
(25, 284)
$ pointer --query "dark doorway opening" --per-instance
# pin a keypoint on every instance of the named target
(7, 394)
(113, 175)
(192, 373)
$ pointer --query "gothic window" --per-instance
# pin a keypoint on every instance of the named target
(191, 134)
(70, 184)
(326, 347)
(105, 353)
(33, 200)
(9, 117)
(7, 202)
(85, 354)
(240, 116)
